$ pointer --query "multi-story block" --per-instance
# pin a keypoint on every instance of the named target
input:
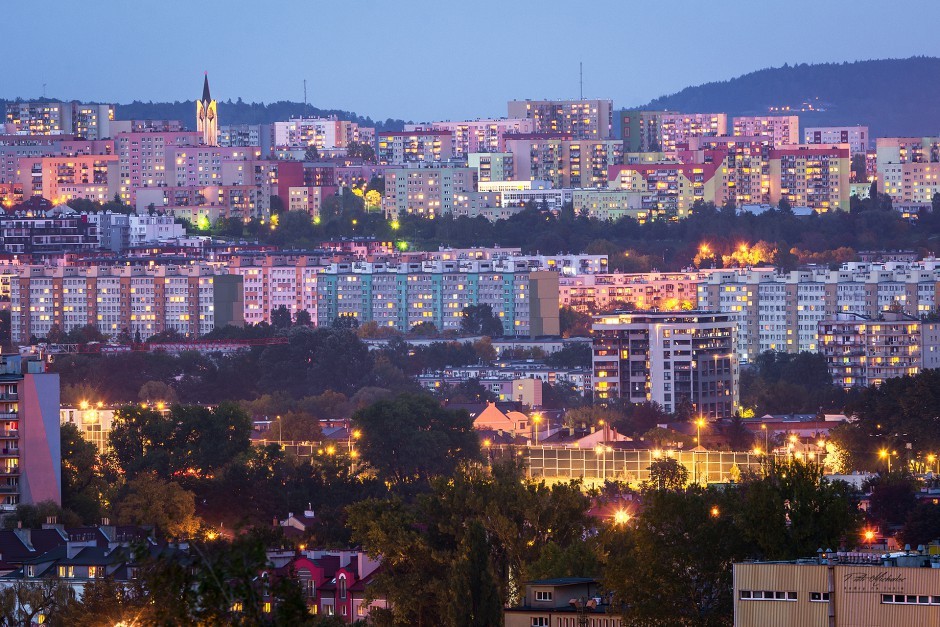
(37, 236)
(427, 192)
(142, 158)
(423, 146)
(247, 135)
(781, 130)
(666, 291)
(272, 281)
(563, 162)
(679, 128)
(320, 133)
(855, 136)
(640, 130)
(403, 295)
(864, 351)
(309, 199)
(746, 171)
(551, 602)
(118, 231)
(609, 204)
(89, 121)
(807, 176)
(782, 312)
(581, 119)
(30, 457)
(908, 168)
(93, 422)
(668, 358)
(61, 179)
(146, 126)
(478, 135)
(491, 166)
(192, 300)
(669, 190)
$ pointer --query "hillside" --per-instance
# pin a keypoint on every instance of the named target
(894, 97)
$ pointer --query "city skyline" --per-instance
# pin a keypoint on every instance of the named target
(346, 68)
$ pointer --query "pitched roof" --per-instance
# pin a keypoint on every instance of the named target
(205, 90)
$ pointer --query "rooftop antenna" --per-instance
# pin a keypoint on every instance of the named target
(305, 98)
(43, 90)
(581, 72)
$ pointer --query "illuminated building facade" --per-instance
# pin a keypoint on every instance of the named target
(679, 128)
(855, 136)
(427, 192)
(807, 176)
(207, 116)
(667, 358)
(423, 146)
(478, 135)
(581, 119)
(781, 130)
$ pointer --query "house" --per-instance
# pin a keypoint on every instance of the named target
(493, 419)
(562, 602)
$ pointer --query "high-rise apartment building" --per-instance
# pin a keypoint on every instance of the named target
(679, 128)
(562, 161)
(427, 192)
(908, 168)
(401, 295)
(61, 179)
(581, 119)
(88, 121)
(666, 291)
(640, 130)
(492, 166)
(863, 351)
(478, 135)
(30, 457)
(668, 358)
(807, 176)
(782, 311)
(855, 136)
(424, 146)
(669, 190)
(781, 130)
(192, 300)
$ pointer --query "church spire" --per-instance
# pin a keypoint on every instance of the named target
(207, 121)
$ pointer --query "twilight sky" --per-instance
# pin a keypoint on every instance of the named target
(434, 59)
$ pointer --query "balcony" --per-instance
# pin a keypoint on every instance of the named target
(9, 433)
(9, 452)
(9, 489)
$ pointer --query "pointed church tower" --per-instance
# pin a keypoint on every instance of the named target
(207, 118)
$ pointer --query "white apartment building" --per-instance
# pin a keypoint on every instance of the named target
(782, 312)
(855, 136)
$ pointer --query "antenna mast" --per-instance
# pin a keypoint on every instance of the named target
(581, 73)
(305, 98)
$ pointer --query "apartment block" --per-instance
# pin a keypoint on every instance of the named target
(37, 236)
(812, 177)
(908, 168)
(781, 130)
(93, 422)
(668, 357)
(427, 192)
(782, 311)
(669, 190)
(609, 204)
(562, 161)
(582, 119)
(142, 158)
(679, 128)
(321, 133)
(88, 121)
(192, 300)
(279, 280)
(666, 291)
(856, 137)
(478, 135)
(864, 351)
(640, 130)
(309, 199)
(492, 166)
(745, 174)
(61, 179)
(401, 295)
(424, 146)
(30, 457)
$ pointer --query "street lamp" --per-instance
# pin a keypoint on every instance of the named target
(698, 429)
(869, 536)
(536, 420)
(931, 458)
(621, 517)
(885, 454)
(763, 427)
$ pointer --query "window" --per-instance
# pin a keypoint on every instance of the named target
(767, 595)
(819, 597)
(540, 621)
(543, 595)
(341, 581)
(910, 599)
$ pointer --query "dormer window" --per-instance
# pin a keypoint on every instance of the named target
(341, 582)
(543, 595)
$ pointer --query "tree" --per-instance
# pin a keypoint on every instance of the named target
(922, 525)
(22, 602)
(893, 498)
(158, 392)
(296, 427)
(277, 205)
(311, 154)
(424, 329)
(149, 500)
(480, 320)
(479, 604)
(82, 483)
(302, 318)
(280, 317)
(667, 474)
(411, 438)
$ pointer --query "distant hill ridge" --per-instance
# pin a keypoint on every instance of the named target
(894, 97)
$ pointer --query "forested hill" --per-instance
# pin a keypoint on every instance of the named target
(237, 112)
(894, 97)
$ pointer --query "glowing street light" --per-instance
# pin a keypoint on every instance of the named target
(931, 458)
(886, 454)
(536, 420)
(763, 427)
(621, 517)
(698, 429)
(715, 512)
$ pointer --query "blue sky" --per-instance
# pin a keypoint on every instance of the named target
(434, 59)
